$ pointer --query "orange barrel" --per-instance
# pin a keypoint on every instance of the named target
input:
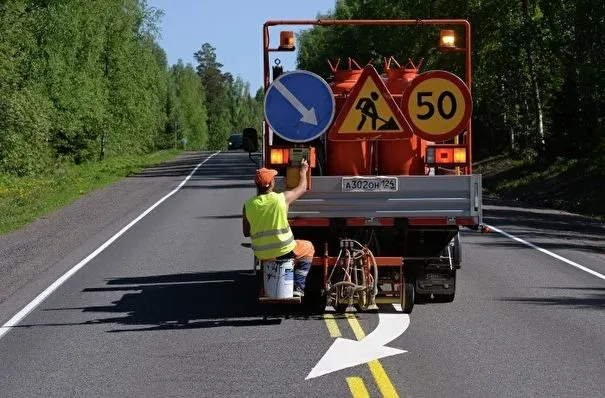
(348, 158)
(401, 157)
(394, 81)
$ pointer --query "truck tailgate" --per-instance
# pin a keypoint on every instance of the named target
(416, 196)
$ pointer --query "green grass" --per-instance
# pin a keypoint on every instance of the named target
(575, 185)
(25, 199)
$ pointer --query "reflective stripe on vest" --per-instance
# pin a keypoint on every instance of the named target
(270, 233)
(269, 229)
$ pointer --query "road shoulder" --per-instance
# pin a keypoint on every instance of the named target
(36, 255)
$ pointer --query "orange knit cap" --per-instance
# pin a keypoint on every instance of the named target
(264, 177)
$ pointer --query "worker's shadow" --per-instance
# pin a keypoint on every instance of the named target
(184, 301)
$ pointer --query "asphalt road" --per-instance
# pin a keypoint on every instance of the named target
(169, 307)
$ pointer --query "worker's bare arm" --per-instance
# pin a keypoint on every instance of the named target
(301, 188)
(245, 224)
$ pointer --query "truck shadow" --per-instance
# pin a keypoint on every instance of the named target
(184, 301)
(187, 301)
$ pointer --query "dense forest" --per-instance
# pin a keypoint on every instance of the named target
(538, 86)
(82, 80)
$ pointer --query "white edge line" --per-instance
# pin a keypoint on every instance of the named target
(49, 290)
(547, 252)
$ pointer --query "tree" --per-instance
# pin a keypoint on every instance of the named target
(190, 116)
(25, 112)
(530, 93)
(216, 87)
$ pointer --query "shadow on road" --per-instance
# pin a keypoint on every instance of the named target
(180, 167)
(222, 216)
(236, 166)
(184, 301)
(585, 298)
(576, 244)
(188, 301)
(224, 166)
(554, 229)
(249, 185)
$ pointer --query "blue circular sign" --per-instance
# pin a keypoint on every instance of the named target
(299, 106)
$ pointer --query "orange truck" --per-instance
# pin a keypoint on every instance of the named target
(391, 183)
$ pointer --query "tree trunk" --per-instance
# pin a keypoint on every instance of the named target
(104, 134)
(505, 122)
(534, 77)
(102, 150)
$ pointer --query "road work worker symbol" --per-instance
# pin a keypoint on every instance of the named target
(370, 112)
(367, 107)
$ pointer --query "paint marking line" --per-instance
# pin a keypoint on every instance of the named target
(332, 325)
(380, 375)
(357, 387)
(56, 284)
(548, 252)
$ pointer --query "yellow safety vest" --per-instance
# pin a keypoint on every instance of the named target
(269, 229)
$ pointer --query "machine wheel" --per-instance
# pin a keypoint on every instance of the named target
(342, 291)
(407, 296)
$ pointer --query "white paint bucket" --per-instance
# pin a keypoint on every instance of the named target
(279, 278)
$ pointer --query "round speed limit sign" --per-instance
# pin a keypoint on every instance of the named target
(438, 105)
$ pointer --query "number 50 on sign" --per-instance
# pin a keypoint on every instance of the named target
(438, 105)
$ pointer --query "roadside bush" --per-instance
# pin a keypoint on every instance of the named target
(25, 125)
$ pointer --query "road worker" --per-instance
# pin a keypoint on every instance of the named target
(265, 221)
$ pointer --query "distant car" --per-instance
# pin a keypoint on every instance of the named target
(235, 142)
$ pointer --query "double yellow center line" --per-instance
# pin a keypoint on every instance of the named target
(356, 384)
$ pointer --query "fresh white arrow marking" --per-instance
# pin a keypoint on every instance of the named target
(308, 115)
(345, 353)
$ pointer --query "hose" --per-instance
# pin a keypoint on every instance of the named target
(353, 255)
(375, 268)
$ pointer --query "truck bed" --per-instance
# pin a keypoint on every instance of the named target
(416, 197)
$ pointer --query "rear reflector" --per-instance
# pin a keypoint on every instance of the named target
(467, 220)
(428, 221)
(309, 222)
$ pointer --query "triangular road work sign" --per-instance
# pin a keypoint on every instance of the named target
(370, 112)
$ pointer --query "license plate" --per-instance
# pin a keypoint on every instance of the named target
(370, 184)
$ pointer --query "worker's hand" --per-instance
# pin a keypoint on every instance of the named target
(304, 167)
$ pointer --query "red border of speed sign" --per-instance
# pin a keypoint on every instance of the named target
(468, 109)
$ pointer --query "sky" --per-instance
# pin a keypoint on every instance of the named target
(233, 28)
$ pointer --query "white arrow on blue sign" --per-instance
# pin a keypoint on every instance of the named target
(299, 106)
